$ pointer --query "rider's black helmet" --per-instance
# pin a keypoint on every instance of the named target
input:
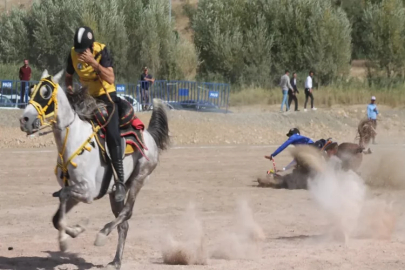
(84, 39)
(292, 132)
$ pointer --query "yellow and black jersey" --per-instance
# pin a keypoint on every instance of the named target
(87, 74)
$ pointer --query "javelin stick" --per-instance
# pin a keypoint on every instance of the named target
(274, 170)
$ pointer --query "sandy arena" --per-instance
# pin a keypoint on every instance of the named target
(288, 229)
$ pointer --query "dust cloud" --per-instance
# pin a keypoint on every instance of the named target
(243, 243)
(190, 249)
(385, 169)
(352, 213)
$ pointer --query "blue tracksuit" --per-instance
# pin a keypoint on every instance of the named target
(295, 139)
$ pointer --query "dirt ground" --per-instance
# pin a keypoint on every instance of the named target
(212, 164)
(256, 125)
(216, 180)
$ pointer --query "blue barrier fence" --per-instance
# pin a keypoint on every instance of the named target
(179, 94)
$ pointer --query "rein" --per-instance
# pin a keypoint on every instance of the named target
(51, 123)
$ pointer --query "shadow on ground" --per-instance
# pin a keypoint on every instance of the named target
(51, 262)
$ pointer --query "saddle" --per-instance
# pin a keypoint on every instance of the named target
(131, 129)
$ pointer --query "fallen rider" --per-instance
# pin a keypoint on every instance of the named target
(295, 138)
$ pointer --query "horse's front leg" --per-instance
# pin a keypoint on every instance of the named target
(59, 219)
(67, 202)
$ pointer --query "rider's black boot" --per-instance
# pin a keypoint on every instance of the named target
(120, 190)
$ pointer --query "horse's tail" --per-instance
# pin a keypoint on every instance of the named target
(158, 125)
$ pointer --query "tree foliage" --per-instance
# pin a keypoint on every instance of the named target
(238, 41)
(137, 32)
(253, 41)
(385, 36)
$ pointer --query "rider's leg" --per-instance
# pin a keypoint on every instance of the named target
(292, 163)
(113, 138)
(113, 144)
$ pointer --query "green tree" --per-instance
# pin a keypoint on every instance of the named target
(245, 40)
(107, 20)
(14, 37)
(385, 36)
(232, 42)
(51, 24)
(137, 33)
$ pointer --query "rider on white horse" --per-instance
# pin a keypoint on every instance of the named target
(93, 64)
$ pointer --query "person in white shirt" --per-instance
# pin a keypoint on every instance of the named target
(308, 91)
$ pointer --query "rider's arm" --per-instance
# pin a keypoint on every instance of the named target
(283, 146)
(105, 67)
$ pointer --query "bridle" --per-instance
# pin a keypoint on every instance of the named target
(43, 116)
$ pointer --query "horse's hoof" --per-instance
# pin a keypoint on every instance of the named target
(77, 230)
(113, 266)
(100, 240)
(63, 245)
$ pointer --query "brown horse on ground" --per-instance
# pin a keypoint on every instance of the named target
(309, 162)
(351, 154)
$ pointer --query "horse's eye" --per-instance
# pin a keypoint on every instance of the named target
(45, 92)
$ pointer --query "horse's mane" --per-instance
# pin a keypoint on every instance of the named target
(83, 103)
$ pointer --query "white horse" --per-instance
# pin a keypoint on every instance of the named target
(81, 165)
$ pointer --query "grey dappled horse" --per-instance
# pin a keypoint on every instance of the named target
(87, 170)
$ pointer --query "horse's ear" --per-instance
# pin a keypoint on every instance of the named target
(44, 74)
(58, 76)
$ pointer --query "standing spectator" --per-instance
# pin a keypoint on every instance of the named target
(292, 94)
(25, 76)
(146, 79)
(372, 113)
(308, 91)
(285, 86)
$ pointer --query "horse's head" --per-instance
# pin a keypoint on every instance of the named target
(43, 104)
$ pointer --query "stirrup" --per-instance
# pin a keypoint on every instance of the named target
(120, 197)
(120, 183)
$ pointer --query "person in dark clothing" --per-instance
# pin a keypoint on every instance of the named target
(146, 79)
(292, 94)
(25, 76)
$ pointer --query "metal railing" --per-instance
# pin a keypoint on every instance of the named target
(178, 94)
